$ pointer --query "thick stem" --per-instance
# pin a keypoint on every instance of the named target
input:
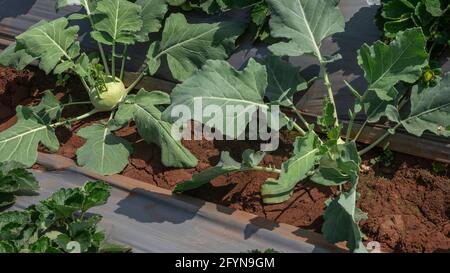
(296, 126)
(60, 123)
(76, 103)
(86, 86)
(100, 47)
(328, 85)
(113, 62)
(361, 130)
(378, 141)
(124, 58)
(104, 60)
(349, 128)
(266, 169)
(136, 82)
(297, 112)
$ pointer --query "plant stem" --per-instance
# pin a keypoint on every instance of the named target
(378, 141)
(86, 86)
(299, 114)
(361, 130)
(350, 127)
(266, 169)
(136, 82)
(124, 58)
(328, 85)
(100, 47)
(60, 123)
(76, 103)
(296, 126)
(113, 62)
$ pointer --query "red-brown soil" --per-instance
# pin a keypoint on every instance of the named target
(408, 205)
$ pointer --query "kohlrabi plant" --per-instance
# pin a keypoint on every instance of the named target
(330, 158)
(59, 224)
(115, 26)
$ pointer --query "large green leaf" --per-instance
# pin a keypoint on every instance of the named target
(402, 60)
(153, 12)
(226, 165)
(189, 46)
(103, 153)
(51, 42)
(20, 142)
(297, 168)
(116, 21)
(305, 23)
(338, 166)
(284, 81)
(49, 109)
(375, 107)
(218, 84)
(142, 108)
(436, 7)
(17, 173)
(13, 178)
(430, 109)
(16, 56)
(341, 221)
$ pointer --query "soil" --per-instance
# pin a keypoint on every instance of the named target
(408, 204)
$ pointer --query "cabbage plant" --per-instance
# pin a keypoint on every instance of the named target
(115, 25)
(332, 157)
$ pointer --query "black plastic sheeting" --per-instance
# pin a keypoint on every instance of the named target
(151, 221)
(16, 16)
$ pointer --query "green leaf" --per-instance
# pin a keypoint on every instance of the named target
(434, 7)
(96, 194)
(152, 13)
(6, 199)
(49, 109)
(113, 248)
(116, 21)
(90, 223)
(219, 84)
(402, 60)
(16, 172)
(6, 247)
(430, 109)
(284, 81)
(338, 166)
(65, 202)
(12, 224)
(142, 108)
(20, 142)
(51, 42)
(305, 23)
(103, 152)
(226, 165)
(341, 221)
(375, 107)
(15, 56)
(65, 3)
(189, 46)
(297, 168)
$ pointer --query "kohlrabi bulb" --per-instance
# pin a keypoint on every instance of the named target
(109, 99)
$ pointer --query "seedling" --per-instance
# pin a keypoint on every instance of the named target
(59, 224)
(440, 168)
